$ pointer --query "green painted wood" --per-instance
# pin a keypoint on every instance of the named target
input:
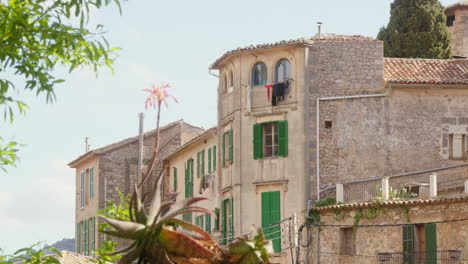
(271, 214)
(216, 222)
(208, 223)
(231, 146)
(231, 219)
(209, 160)
(258, 141)
(408, 244)
(78, 237)
(223, 222)
(431, 243)
(214, 158)
(91, 182)
(283, 138)
(175, 178)
(224, 151)
(202, 157)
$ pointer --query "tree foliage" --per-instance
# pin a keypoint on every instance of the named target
(417, 29)
(36, 37)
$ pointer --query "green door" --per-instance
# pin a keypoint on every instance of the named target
(271, 214)
(431, 243)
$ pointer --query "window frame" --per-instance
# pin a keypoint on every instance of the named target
(272, 149)
(287, 71)
(256, 73)
(258, 139)
(82, 188)
(347, 241)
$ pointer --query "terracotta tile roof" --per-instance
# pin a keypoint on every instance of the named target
(425, 71)
(293, 42)
(202, 136)
(463, 198)
(459, 5)
(107, 148)
(71, 258)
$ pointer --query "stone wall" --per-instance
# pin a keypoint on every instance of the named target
(369, 241)
(459, 32)
(336, 68)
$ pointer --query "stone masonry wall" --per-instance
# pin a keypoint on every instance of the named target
(336, 68)
(372, 240)
(460, 33)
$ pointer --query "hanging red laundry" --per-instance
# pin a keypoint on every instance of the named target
(268, 91)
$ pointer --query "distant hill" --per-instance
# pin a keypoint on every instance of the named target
(64, 244)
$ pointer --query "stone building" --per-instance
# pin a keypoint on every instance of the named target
(347, 114)
(103, 171)
(398, 231)
(191, 172)
(457, 21)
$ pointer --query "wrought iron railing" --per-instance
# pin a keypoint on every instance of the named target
(420, 257)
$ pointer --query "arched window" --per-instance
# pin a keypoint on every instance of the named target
(283, 70)
(225, 83)
(231, 79)
(259, 74)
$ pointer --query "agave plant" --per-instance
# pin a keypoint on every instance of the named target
(158, 237)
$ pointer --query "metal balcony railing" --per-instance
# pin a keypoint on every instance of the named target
(420, 257)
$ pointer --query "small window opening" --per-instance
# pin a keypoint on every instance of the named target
(347, 241)
(328, 124)
(450, 20)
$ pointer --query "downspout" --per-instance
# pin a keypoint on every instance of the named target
(318, 123)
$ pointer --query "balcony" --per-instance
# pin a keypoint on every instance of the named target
(420, 257)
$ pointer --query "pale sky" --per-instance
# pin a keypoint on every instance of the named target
(172, 41)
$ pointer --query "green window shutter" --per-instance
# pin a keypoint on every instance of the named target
(283, 138)
(216, 221)
(93, 235)
(209, 160)
(175, 178)
(208, 223)
(198, 164)
(231, 219)
(78, 237)
(186, 180)
(91, 182)
(203, 163)
(271, 214)
(214, 158)
(86, 237)
(224, 151)
(408, 244)
(197, 221)
(190, 187)
(431, 243)
(257, 141)
(231, 146)
(223, 222)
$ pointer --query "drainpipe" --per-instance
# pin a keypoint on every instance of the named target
(318, 123)
(141, 116)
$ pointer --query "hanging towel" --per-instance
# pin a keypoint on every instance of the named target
(268, 91)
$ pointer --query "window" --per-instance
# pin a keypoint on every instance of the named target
(227, 148)
(82, 189)
(282, 70)
(91, 183)
(420, 243)
(231, 82)
(200, 163)
(348, 243)
(328, 124)
(93, 234)
(259, 74)
(212, 159)
(174, 175)
(187, 217)
(271, 214)
(204, 221)
(86, 233)
(227, 220)
(457, 146)
(189, 179)
(216, 222)
(208, 223)
(450, 20)
(225, 83)
(78, 237)
(270, 139)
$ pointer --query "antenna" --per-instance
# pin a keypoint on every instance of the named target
(319, 25)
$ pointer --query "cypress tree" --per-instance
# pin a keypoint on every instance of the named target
(417, 29)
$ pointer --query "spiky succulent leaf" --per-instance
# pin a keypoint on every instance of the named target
(140, 211)
(189, 209)
(171, 207)
(183, 245)
(155, 203)
(126, 229)
(189, 226)
(131, 256)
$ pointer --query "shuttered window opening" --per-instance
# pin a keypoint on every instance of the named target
(208, 223)
(187, 217)
(420, 243)
(174, 175)
(82, 189)
(91, 182)
(78, 237)
(214, 158)
(348, 241)
(228, 148)
(216, 222)
(227, 221)
(271, 214)
(189, 179)
(93, 235)
(270, 139)
(209, 160)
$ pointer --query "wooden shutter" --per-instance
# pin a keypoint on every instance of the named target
(231, 219)
(223, 222)
(202, 157)
(186, 180)
(93, 235)
(78, 237)
(283, 138)
(214, 158)
(224, 150)
(216, 222)
(191, 178)
(198, 164)
(82, 191)
(208, 223)
(175, 178)
(91, 182)
(257, 141)
(209, 160)
(197, 220)
(431, 243)
(271, 214)
(231, 146)
(86, 237)
(408, 244)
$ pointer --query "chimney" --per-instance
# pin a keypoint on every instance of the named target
(319, 25)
